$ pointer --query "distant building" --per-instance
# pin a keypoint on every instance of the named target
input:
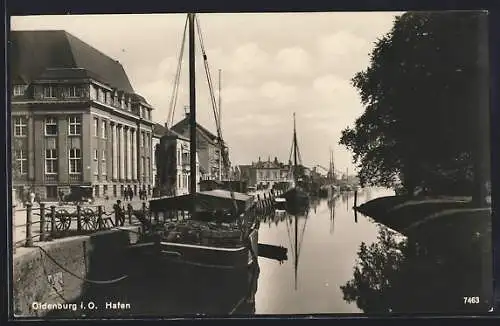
(76, 120)
(264, 172)
(172, 162)
(208, 147)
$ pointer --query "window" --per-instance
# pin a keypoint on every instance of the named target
(104, 170)
(75, 160)
(143, 134)
(96, 155)
(50, 126)
(22, 161)
(20, 126)
(74, 91)
(96, 127)
(49, 91)
(104, 126)
(19, 90)
(50, 161)
(75, 125)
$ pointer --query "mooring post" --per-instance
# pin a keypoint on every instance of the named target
(29, 221)
(52, 222)
(42, 221)
(14, 229)
(78, 218)
(355, 198)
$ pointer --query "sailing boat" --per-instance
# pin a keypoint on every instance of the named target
(295, 195)
(218, 228)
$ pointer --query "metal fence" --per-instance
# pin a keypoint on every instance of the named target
(46, 223)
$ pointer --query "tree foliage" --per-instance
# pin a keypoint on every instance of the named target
(421, 100)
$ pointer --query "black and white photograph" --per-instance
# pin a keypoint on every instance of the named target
(245, 164)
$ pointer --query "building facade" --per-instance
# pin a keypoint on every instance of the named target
(262, 172)
(172, 171)
(208, 148)
(76, 120)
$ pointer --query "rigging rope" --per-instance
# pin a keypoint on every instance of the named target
(215, 108)
(209, 78)
(175, 90)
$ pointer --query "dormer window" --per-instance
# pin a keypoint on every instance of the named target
(73, 91)
(19, 90)
(49, 92)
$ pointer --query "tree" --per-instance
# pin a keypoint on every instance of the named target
(424, 95)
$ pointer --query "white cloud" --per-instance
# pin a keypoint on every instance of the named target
(247, 58)
(279, 93)
(342, 43)
(294, 60)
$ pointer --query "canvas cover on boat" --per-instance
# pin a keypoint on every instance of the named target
(204, 201)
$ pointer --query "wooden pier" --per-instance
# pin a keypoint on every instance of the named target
(265, 201)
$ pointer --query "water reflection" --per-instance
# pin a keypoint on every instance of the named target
(400, 276)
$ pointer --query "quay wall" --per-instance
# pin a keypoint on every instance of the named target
(63, 270)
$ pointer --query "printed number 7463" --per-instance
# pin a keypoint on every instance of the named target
(471, 300)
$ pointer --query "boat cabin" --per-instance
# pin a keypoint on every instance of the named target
(208, 205)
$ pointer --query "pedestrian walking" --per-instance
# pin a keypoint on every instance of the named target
(119, 213)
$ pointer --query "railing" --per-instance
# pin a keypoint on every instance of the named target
(46, 223)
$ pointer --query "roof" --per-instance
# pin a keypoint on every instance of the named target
(161, 131)
(204, 201)
(33, 52)
(184, 123)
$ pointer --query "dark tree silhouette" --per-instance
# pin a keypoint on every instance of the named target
(425, 96)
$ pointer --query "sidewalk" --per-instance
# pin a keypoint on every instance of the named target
(19, 218)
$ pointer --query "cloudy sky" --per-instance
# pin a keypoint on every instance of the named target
(272, 65)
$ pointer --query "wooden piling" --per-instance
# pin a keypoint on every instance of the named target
(355, 198)
(52, 221)
(42, 221)
(13, 227)
(29, 223)
(78, 218)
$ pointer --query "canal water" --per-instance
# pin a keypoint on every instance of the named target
(328, 241)
(338, 262)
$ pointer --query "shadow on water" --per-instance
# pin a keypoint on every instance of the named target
(153, 288)
(400, 276)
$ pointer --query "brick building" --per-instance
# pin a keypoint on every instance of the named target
(76, 120)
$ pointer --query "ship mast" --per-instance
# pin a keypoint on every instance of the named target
(192, 105)
(294, 148)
